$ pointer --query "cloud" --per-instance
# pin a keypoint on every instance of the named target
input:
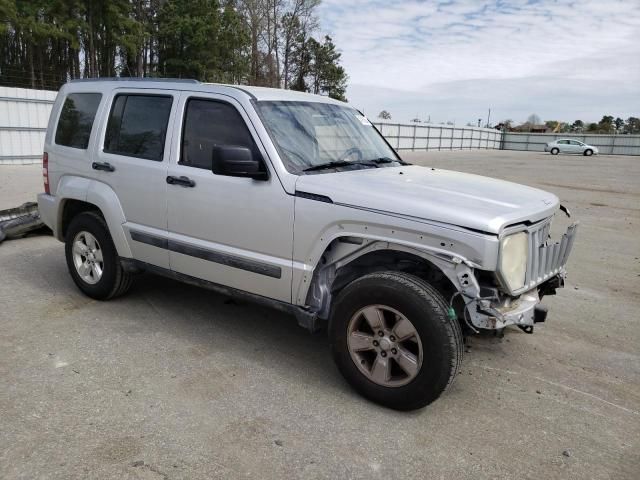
(564, 56)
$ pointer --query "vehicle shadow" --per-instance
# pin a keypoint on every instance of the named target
(215, 323)
(178, 317)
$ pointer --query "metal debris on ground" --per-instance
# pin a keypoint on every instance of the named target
(19, 221)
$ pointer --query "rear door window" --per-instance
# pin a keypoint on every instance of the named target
(137, 126)
(76, 119)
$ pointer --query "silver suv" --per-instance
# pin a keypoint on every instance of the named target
(296, 201)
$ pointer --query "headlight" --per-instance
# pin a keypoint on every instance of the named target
(513, 259)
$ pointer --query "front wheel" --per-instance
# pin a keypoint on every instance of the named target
(554, 151)
(588, 152)
(393, 341)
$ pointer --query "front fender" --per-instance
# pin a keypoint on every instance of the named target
(444, 246)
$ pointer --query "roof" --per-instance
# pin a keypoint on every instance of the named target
(255, 93)
(279, 94)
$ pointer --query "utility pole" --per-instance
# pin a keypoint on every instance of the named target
(488, 118)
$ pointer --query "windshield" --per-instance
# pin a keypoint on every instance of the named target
(312, 137)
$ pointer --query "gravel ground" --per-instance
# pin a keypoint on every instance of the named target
(174, 382)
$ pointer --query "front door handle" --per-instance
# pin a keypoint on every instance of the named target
(182, 181)
(104, 166)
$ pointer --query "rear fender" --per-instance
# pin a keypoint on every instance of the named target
(104, 198)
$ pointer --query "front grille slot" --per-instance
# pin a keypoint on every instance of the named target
(547, 259)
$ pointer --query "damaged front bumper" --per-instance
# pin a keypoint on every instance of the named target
(486, 307)
(490, 307)
(496, 311)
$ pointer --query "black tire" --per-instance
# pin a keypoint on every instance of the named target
(555, 151)
(114, 280)
(426, 309)
(588, 152)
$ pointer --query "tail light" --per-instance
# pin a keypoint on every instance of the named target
(45, 172)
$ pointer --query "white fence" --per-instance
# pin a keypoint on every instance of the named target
(607, 144)
(24, 115)
(425, 136)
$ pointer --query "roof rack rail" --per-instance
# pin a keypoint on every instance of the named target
(134, 79)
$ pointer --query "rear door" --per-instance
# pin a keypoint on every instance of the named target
(132, 159)
(564, 146)
(232, 231)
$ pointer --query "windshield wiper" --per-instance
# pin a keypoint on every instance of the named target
(338, 164)
(388, 160)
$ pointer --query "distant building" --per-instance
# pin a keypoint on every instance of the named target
(527, 127)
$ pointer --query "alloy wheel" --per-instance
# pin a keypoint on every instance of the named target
(384, 345)
(87, 257)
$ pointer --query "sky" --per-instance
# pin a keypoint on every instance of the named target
(451, 61)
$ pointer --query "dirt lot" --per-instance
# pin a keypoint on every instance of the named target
(175, 382)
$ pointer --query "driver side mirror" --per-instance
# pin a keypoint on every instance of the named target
(236, 161)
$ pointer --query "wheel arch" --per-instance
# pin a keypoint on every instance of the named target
(347, 258)
(79, 195)
(69, 209)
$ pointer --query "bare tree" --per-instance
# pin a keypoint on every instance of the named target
(297, 22)
(533, 119)
(254, 12)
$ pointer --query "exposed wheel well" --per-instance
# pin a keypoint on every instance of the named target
(393, 260)
(72, 208)
(328, 280)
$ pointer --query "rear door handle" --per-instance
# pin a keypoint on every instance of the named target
(104, 166)
(182, 181)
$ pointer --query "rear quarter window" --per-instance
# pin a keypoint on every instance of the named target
(76, 119)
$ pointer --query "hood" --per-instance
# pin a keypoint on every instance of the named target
(462, 199)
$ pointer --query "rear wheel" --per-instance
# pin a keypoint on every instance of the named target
(393, 341)
(92, 259)
(554, 151)
(588, 152)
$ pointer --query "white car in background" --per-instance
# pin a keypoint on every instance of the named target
(566, 145)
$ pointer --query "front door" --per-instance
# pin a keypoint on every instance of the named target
(232, 231)
(576, 147)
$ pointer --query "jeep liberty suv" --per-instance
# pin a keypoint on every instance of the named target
(296, 201)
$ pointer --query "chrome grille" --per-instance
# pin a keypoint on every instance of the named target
(546, 258)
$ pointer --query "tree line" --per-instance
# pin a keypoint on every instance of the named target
(274, 43)
(607, 125)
